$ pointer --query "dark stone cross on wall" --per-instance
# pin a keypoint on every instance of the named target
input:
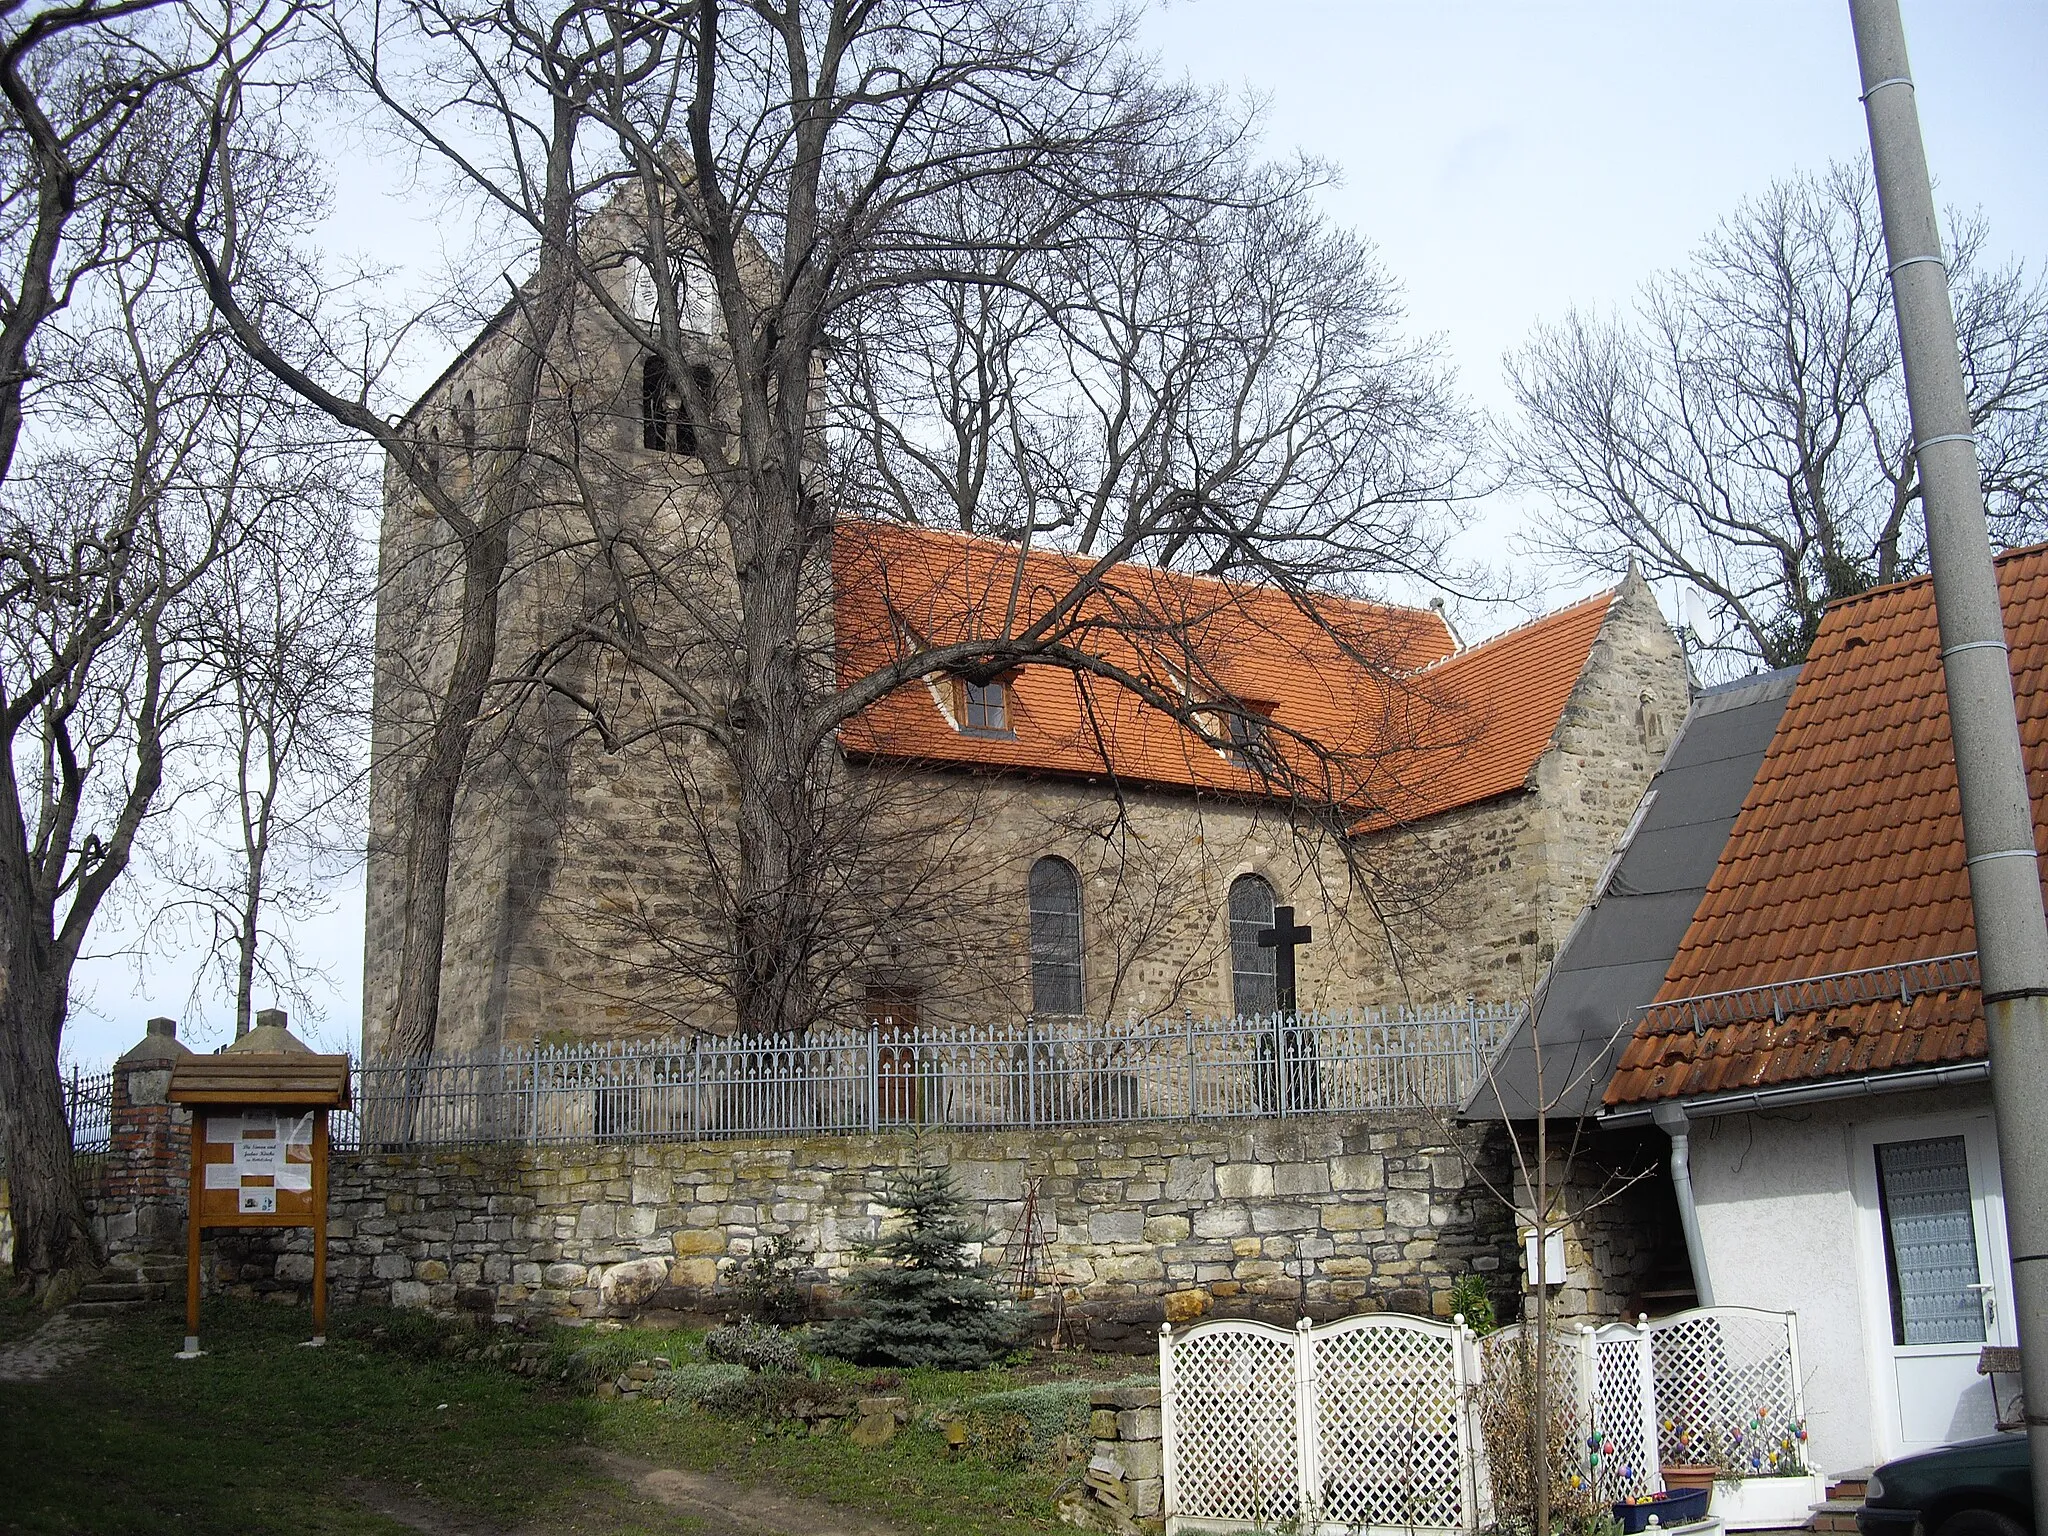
(1286, 938)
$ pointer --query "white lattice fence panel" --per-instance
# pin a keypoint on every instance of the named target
(1505, 1406)
(1390, 1445)
(1623, 1438)
(1233, 1445)
(1727, 1387)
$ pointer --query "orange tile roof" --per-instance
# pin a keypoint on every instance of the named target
(1848, 855)
(1405, 724)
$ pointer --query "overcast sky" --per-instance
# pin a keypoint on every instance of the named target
(1510, 160)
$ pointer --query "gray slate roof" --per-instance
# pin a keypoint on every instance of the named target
(1616, 954)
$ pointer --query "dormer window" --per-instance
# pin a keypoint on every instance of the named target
(985, 707)
(665, 424)
(1245, 727)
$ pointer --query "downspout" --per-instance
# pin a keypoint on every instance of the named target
(1671, 1117)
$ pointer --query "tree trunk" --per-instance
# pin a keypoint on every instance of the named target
(245, 942)
(774, 768)
(52, 1234)
(432, 835)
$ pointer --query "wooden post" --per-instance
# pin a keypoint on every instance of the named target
(319, 1227)
(191, 1349)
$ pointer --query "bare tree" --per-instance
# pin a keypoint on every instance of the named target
(271, 790)
(155, 450)
(1550, 1191)
(1743, 429)
(762, 204)
(117, 441)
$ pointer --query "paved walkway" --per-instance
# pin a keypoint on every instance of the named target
(61, 1341)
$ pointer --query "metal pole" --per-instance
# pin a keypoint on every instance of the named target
(1998, 822)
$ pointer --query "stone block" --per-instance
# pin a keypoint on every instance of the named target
(410, 1295)
(295, 1267)
(432, 1271)
(1363, 1170)
(1188, 1305)
(391, 1266)
(1284, 1218)
(1222, 1221)
(1301, 1179)
(1147, 1496)
(1167, 1229)
(1138, 1424)
(1116, 1227)
(1190, 1178)
(1354, 1216)
(1129, 1268)
(695, 1274)
(596, 1222)
(1142, 1458)
(565, 1276)
(1408, 1208)
(1243, 1181)
(652, 1186)
(692, 1241)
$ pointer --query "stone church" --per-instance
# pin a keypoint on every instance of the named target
(1089, 857)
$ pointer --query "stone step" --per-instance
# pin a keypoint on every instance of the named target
(1851, 1485)
(123, 1290)
(107, 1308)
(1834, 1515)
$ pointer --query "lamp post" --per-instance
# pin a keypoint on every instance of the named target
(1998, 819)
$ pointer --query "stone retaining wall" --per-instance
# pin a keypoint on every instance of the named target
(1137, 1224)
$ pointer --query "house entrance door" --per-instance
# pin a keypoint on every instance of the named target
(892, 1014)
(1940, 1229)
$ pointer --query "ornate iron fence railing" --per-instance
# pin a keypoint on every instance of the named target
(1037, 1072)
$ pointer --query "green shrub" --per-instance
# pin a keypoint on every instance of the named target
(1025, 1423)
(757, 1346)
(923, 1302)
(768, 1281)
(701, 1383)
(1469, 1298)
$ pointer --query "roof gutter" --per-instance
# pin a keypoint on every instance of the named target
(1869, 1085)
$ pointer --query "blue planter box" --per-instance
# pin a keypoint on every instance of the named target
(1669, 1508)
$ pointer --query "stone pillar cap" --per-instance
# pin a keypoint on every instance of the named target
(158, 1047)
(270, 1037)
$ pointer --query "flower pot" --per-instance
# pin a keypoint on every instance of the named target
(1690, 1475)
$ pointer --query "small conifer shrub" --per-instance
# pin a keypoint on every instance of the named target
(921, 1301)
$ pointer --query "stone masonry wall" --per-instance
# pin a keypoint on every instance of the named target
(1327, 1215)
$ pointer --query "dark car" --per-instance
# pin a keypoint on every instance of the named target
(1977, 1488)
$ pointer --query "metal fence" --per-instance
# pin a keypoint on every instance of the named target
(89, 1111)
(1038, 1072)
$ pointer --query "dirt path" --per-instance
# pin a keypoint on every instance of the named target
(61, 1341)
(727, 1509)
(708, 1505)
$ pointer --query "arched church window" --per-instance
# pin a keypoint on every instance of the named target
(1055, 937)
(1252, 969)
(665, 424)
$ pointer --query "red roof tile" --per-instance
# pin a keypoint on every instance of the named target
(1847, 856)
(1408, 725)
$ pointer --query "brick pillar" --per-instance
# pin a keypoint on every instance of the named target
(142, 1201)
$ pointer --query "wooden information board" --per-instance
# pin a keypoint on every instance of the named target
(256, 1167)
(259, 1150)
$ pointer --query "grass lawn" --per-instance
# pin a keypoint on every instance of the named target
(263, 1436)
